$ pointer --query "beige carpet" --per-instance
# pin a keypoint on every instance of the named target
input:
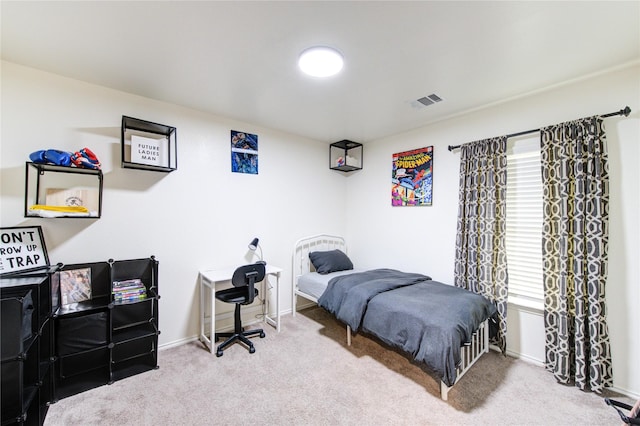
(306, 375)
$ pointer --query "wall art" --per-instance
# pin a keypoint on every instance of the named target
(244, 152)
(412, 177)
(75, 285)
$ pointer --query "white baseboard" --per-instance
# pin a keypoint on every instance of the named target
(626, 392)
(539, 363)
(178, 342)
(525, 358)
(300, 306)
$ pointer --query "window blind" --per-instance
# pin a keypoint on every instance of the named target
(524, 222)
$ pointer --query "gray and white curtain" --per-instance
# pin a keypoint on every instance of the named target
(481, 258)
(575, 179)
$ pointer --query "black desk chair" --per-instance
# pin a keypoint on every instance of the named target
(632, 417)
(242, 293)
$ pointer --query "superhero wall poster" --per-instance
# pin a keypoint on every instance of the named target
(412, 177)
(244, 152)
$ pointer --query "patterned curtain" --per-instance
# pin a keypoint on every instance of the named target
(481, 258)
(575, 178)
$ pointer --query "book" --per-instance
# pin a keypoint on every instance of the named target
(134, 283)
(75, 285)
(131, 298)
(128, 290)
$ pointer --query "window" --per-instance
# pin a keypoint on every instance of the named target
(524, 222)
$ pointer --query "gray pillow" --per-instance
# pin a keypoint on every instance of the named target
(326, 262)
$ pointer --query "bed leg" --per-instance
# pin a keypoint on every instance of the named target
(294, 301)
(444, 391)
(485, 330)
(348, 336)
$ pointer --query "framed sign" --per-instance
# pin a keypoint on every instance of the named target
(22, 249)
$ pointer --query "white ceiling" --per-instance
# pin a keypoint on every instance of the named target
(238, 59)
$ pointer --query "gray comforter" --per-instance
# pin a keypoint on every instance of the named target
(427, 319)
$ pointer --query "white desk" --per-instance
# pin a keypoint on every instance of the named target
(209, 278)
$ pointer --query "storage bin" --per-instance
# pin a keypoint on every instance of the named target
(135, 365)
(80, 333)
(131, 314)
(12, 389)
(133, 348)
(84, 361)
(13, 337)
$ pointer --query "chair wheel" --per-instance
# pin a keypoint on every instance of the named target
(219, 354)
(262, 335)
(252, 350)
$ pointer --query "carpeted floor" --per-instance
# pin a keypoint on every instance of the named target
(306, 375)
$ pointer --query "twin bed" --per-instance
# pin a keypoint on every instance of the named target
(442, 326)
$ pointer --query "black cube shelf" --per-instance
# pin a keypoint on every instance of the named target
(345, 156)
(148, 146)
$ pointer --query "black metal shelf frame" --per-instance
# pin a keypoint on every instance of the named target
(41, 169)
(131, 125)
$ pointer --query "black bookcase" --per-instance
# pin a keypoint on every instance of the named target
(26, 346)
(101, 339)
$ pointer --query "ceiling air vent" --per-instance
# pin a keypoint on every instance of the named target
(431, 99)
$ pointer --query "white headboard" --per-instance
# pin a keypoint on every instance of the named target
(302, 248)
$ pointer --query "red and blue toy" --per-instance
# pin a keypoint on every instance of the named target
(84, 158)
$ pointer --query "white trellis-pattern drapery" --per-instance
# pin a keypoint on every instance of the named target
(481, 257)
(575, 178)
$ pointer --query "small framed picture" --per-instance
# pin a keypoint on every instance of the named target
(75, 285)
(244, 152)
(22, 249)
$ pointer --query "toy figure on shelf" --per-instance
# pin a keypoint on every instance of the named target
(84, 158)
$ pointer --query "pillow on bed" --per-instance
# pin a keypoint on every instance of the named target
(326, 262)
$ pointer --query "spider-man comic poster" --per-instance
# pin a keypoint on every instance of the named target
(244, 152)
(412, 177)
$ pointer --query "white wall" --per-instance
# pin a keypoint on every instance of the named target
(422, 239)
(198, 216)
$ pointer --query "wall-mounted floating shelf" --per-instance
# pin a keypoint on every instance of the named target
(148, 146)
(50, 185)
(345, 156)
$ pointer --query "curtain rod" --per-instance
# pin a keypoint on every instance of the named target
(626, 111)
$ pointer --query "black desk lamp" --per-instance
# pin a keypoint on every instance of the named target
(253, 245)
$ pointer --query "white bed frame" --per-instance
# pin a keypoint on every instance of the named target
(469, 354)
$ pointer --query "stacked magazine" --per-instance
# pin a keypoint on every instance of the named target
(129, 290)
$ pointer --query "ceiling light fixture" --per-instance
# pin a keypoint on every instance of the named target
(320, 61)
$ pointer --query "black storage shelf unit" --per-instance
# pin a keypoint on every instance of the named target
(34, 192)
(26, 348)
(164, 136)
(102, 340)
